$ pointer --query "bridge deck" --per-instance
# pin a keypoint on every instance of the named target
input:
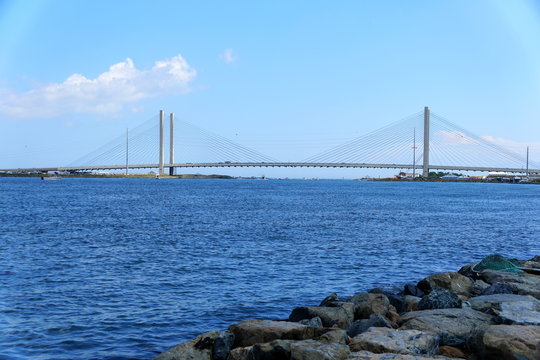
(270, 164)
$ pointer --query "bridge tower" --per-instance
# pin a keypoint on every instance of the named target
(161, 144)
(425, 167)
(171, 145)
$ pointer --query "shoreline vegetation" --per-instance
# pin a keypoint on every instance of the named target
(436, 178)
(489, 310)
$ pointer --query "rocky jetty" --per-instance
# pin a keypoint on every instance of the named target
(482, 311)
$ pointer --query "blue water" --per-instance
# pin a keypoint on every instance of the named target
(126, 268)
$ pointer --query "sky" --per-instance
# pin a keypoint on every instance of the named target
(289, 79)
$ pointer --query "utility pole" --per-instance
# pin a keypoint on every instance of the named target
(171, 144)
(127, 149)
(425, 167)
(161, 145)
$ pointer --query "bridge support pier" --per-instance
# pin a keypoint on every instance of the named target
(425, 167)
(171, 145)
(161, 144)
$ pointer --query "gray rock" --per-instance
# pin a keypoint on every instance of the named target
(479, 286)
(453, 326)
(384, 340)
(275, 350)
(385, 291)
(340, 317)
(491, 304)
(468, 272)
(241, 353)
(300, 350)
(374, 320)
(366, 304)
(251, 332)
(331, 300)
(439, 299)
(413, 290)
(200, 348)
(316, 350)
(410, 303)
(223, 345)
(498, 288)
(452, 281)
(520, 313)
(522, 284)
(367, 355)
(511, 342)
(335, 336)
(315, 322)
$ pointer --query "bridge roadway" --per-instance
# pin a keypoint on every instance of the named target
(271, 164)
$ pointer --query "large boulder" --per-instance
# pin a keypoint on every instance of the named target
(410, 303)
(520, 313)
(439, 299)
(299, 350)
(522, 284)
(241, 353)
(452, 281)
(368, 355)
(251, 332)
(510, 342)
(200, 348)
(340, 317)
(497, 288)
(454, 326)
(384, 340)
(491, 304)
(374, 320)
(315, 322)
(366, 304)
(331, 300)
(412, 290)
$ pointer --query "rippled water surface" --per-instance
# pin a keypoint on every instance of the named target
(126, 268)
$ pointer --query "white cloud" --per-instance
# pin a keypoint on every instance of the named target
(123, 83)
(228, 56)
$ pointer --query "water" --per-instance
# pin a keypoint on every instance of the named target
(126, 268)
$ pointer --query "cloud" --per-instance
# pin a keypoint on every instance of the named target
(228, 56)
(122, 84)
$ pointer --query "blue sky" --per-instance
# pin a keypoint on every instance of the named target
(287, 78)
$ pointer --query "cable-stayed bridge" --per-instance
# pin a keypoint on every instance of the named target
(421, 142)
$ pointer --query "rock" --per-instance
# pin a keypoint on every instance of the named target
(250, 332)
(454, 326)
(439, 299)
(300, 350)
(367, 355)
(316, 350)
(510, 342)
(413, 290)
(497, 288)
(520, 313)
(452, 281)
(241, 353)
(479, 286)
(468, 272)
(384, 340)
(341, 316)
(223, 345)
(336, 336)
(200, 348)
(393, 317)
(374, 320)
(275, 350)
(536, 259)
(452, 352)
(315, 322)
(522, 284)
(393, 296)
(491, 304)
(410, 303)
(331, 300)
(366, 304)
